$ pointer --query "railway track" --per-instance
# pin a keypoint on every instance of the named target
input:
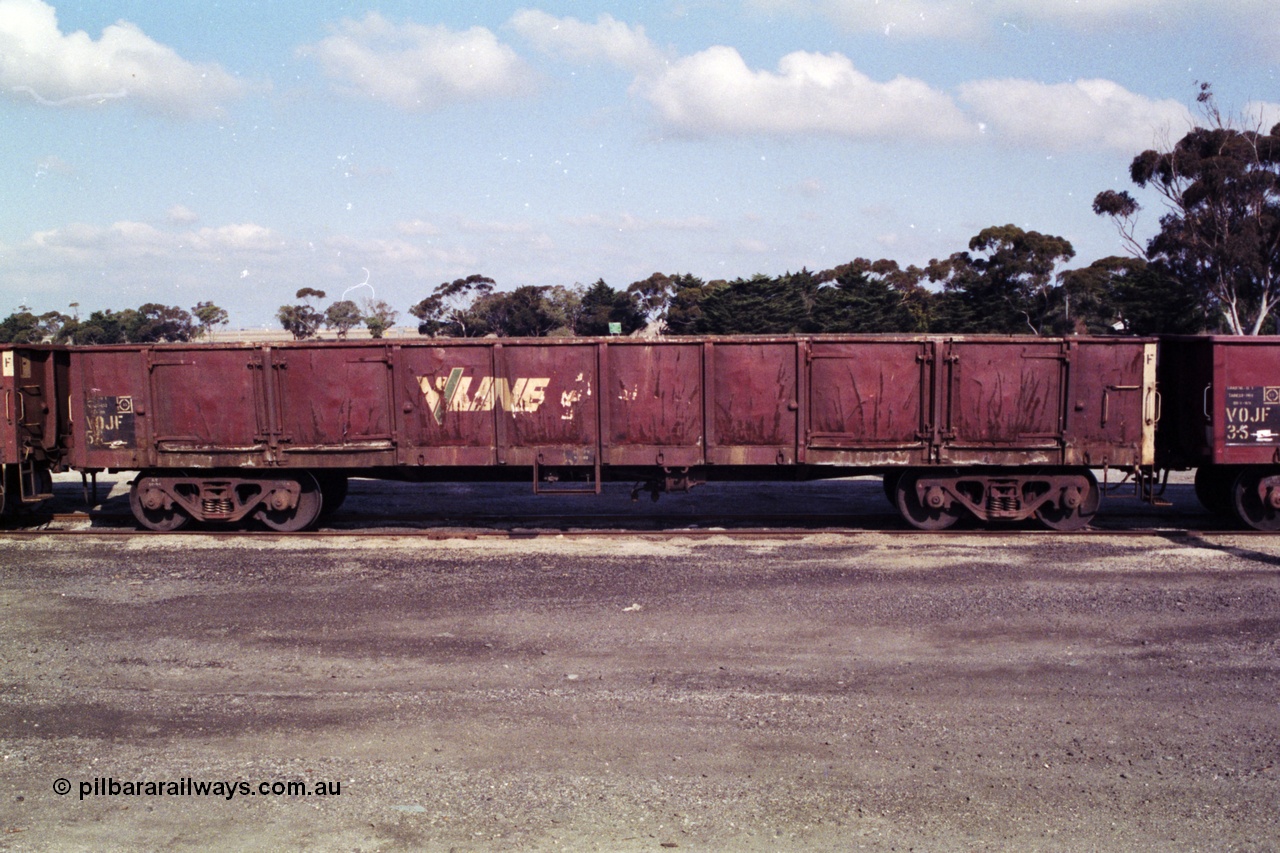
(515, 527)
(852, 509)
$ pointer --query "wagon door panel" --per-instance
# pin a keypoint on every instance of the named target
(446, 393)
(1004, 402)
(652, 404)
(1111, 403)
(500, 404)
(550, 414)
(754, 418)
(30, 401)
(334, 405)
(110, 406)
(205, 406)
(869, 402)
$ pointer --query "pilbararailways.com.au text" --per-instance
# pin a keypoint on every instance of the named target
(188, 787)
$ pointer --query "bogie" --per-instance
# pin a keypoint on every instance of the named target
(169, 500)
(1061, 499)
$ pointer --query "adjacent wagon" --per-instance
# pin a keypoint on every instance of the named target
(1222, 417)
(34, 424)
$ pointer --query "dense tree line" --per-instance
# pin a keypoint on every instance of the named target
(150, 323)
(1006, 283)
(1214, 265)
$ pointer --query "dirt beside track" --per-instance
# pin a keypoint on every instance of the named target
(872, 692)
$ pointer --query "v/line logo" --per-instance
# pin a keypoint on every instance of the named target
(452, 393)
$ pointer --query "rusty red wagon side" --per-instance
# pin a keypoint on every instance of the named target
(999, 428)
(1222, 417)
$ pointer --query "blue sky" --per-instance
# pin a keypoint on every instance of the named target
(236, 152)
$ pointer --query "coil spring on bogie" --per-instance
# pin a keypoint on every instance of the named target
(217, 506)
(1003, 501)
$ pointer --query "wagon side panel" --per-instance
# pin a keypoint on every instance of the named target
(111, 409)
(652, 404)
(1004, 402)
(755, 403)
(34, 411)
(444, 393)
(1111, 403)
(1244, 401)
(869, 402)
(546, 403)
(205, 410)
(334, 405)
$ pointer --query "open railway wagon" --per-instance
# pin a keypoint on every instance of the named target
(1222, 417)
(993, 428)
(34, 423)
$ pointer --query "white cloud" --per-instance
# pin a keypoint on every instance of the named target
(714, 92)
(608, 40)
(382, 252)
(418, 67)
(1255, 22)
(39, 64)
(1065, 116)
(1097, 14)
(953, 19)
(1261, 114)
(251, 269)
(182, 215)
(128, 239)
(627, 222)
(242, 237)
(120, 240)
(53, 164)
(475, 226)
(418, 228)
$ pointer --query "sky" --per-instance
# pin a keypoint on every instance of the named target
(236, 152)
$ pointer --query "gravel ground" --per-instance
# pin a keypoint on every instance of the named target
(868, 691)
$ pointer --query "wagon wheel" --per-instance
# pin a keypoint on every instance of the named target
(333, 491)
(160, 518)
(917, 514)
(1215, 486)
(1250, 507)
(300, 517)
(1058, 517)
